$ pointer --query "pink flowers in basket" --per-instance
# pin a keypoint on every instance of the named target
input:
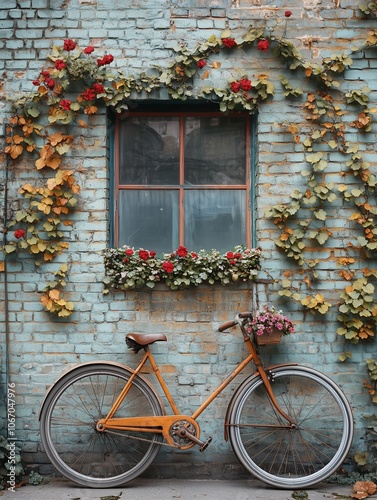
(269, 319)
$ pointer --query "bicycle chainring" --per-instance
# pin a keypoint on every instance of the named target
(183, 443)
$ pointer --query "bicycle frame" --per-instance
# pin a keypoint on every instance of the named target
(162, 424)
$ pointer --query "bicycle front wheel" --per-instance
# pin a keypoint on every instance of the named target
(285, 456)
(68, 426)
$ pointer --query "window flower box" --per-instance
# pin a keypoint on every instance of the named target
(127, 268)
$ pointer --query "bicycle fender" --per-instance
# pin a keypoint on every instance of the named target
(245, 382)
(88, 363)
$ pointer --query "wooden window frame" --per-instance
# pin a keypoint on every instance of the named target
(182, 188)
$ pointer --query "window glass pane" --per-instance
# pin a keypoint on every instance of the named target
(149, 151)
(215, 150)
(149, 219)
(215, 219)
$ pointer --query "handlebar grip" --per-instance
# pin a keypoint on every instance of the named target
(246, 314)
(227, 325)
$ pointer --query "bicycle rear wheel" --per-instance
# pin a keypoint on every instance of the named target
(298, 457)
(68, 426)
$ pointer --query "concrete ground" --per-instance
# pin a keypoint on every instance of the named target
(176, 489)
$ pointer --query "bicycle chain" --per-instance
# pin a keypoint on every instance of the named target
(138, 438)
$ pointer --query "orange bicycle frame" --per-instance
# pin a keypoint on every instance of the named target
(162, 424)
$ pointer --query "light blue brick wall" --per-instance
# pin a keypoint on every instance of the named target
(196, 357)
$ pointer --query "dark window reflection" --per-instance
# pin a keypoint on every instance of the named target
(149, 151)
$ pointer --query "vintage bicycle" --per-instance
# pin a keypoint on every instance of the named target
(103, 423)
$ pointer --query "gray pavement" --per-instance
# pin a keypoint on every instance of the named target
(176, 489)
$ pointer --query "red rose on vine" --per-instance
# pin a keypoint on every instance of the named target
(235, 86)
(106, 59)
(69, 45)
(287, 13)
(263, 45)
(98, 88)
(245, 84)
(50, 83)
(201, 63)
(19, 233)
(229, 42)
(88, 94)
(88, 50)
(60, 64)
(65, 104)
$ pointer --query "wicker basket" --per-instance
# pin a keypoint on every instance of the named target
(269, 338)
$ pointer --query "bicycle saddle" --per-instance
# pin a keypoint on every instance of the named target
(137, 341)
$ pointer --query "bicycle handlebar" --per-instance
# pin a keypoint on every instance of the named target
(229, 324)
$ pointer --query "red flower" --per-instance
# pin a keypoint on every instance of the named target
(98, 88)
(263, 45)
(194, 255)
(229, 42)
(237, 256)
(201, 63)
(144, 254)
(88, 94)
(50, 83)
(287, 13)
(19, 233)
(107, 59)
(65, 104)
(168, 266)
(45, 73)
(232, 262)
(235, 86)
(245, 84)
(35, 82)
(59, 64)
(88, 50)
(129, 251)
(152, 254)
(230, 255)
(125, 259)
(181, 251)
(69, 45)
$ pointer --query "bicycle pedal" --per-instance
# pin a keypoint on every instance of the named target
(205, 444)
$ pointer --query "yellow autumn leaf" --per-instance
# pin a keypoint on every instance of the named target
(15, 151)
(56, 138)
(27, 187)
(63, 148)
(51, 183)
(34, 249)
(45, 300)
(53, 162)
(54, 294)
(40, 163)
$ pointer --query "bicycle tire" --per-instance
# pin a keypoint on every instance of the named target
(68, 426)
(291, 458)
